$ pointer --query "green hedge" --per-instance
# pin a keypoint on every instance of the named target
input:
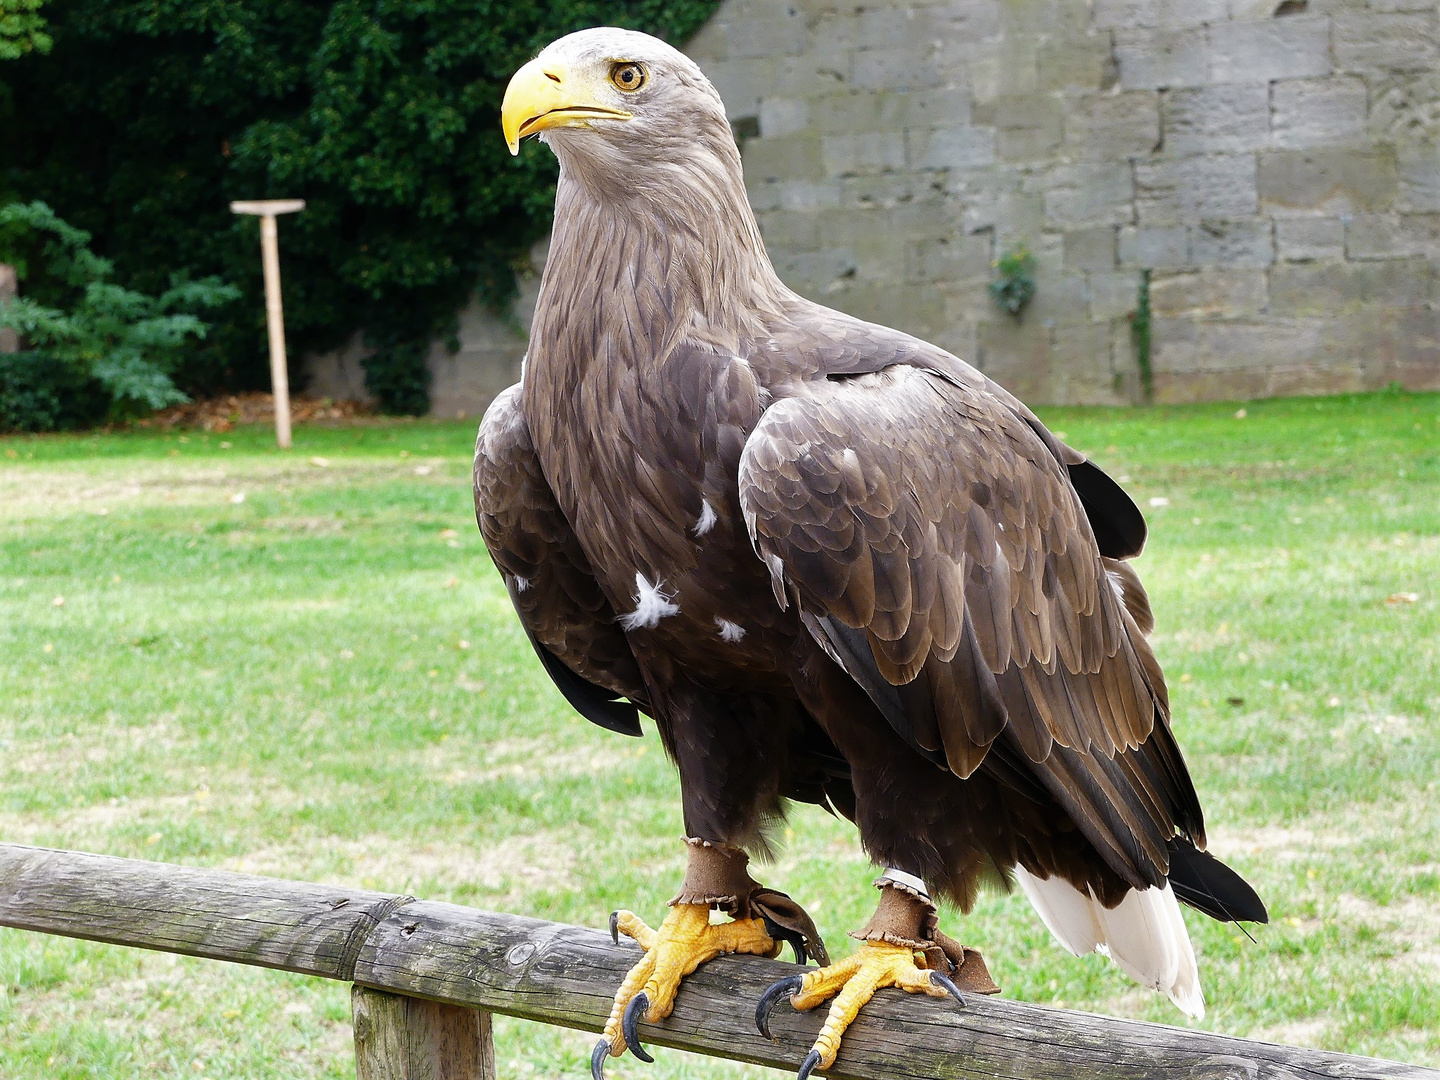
(146, 118)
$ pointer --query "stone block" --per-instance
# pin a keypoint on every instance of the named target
(1333, 179)
(1027, 126)
(1419, 166)
(1234, 349)
(1016, 354)
(918, 310)
(807, 194)
(1297, 47)
(1114, 296)
(950, 148)
(895, 189)
(1154, 248)
(1392, 236)
(783, 116)
(792, 230)
(1202, 120)
(709, 43)
(780, 31)
(1164, 14)
(974, 20)
(1068, 63)
(1224, 294)
(812, 273)
(1405, 106)
(1329, 288)
(1008, 215)
(1005, 66)
(1090, 249)
(1191, 188)
(741, 84)
(1305, 239)
(812, 74)
(1374, 42)
(1244, 243)
(1082, 369)
(862, 154)
(950, 259)
(1313, 112)
(791, 158)
(1088, 193)
(848, 112)
(1152, 59)
(1108, 126)
(898, 67)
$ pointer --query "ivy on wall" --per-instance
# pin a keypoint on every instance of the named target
(147, 116)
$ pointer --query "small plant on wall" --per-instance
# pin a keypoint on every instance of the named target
(1014, 283)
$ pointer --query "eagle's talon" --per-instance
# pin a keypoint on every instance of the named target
(597, 1059)
(630, 1026)
(795, 940)
(615, 927)
(949, 985)
(807, 1066)
(766, 1005)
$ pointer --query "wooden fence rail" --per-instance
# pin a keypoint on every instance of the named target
(422, 970)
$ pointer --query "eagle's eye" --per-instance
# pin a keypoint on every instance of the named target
(628, 76)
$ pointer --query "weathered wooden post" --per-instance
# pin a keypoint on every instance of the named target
(406, 1038)
(9, 342)
(266, 209)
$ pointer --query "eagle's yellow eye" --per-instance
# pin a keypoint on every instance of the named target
(628, 76)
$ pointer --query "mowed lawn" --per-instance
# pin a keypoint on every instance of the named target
(304, 665)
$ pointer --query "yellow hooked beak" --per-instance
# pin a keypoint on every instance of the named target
(543, 95)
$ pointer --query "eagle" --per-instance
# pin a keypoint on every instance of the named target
(834, 564)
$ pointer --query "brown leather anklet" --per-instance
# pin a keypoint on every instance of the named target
(907, 917)
(716, 875)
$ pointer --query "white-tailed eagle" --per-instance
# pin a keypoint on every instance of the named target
(834, 563)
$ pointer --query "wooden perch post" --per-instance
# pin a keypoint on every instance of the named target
(423, 968)
(266, 209)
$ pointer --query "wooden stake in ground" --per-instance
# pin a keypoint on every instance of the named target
(266, 209)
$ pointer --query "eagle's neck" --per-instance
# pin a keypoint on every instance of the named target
(641, 260)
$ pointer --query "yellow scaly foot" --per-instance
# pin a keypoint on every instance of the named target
(684, 941)
(852, 982)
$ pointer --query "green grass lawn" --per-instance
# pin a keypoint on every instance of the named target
(304, 665)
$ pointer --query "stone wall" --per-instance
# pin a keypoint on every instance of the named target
(1273, 164)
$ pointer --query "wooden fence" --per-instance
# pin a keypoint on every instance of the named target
(428, 975)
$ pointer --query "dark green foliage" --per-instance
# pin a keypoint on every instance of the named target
(22, 29)
(148, 116)
(1015, 282)
(89, 339)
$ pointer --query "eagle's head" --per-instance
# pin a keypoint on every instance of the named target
(618, 103)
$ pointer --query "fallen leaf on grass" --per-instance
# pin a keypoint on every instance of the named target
(1402, 598)
(448, 534)
(452, 582)
(424, 470)
(1240, 414)
(1158, 501)
(324, 463)
(1236, 701)
(238, 498)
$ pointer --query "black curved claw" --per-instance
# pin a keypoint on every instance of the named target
(785, 987)
(597, 1059)
(808, 1065)
(948, 984)
(795, 940)
(630, 1025)
(615, 927)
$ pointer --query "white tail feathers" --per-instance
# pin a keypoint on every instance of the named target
(1145, 934)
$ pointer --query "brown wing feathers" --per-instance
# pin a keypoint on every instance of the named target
(956, 545)
(548, 576)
